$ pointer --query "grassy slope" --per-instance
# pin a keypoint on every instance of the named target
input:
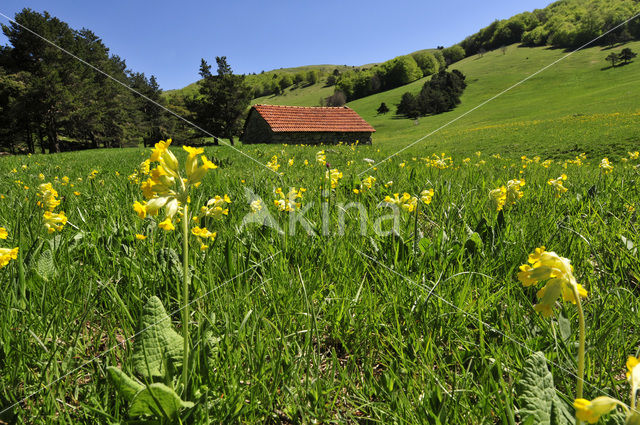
(571, 103)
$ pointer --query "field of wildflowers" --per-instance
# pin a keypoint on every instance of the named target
(188, 285)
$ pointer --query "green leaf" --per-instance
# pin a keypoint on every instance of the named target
(157, 399)
(45, 267)
(125, 386)
(157, 343)
(564, 326)
(629, 245)
(537, 396)
(473, 244)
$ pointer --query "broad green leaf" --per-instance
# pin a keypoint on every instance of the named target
(45, 266)
(564, 326)
(125, 386)
(156, 344)
(157, 399)
(537, 396)
(629, 245)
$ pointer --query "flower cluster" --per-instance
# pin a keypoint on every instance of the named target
(507, 195)
(605, 166)
(426, 196)
(141, 172)
(366, 184)
(216, 207)
(273, 164)
(166, 188)
(287, 202)
(6, 254)
(202, 234)
(334, 176)
(49, 201)
(406, 201)
(557, 273)
(558, 185)
(321, 157)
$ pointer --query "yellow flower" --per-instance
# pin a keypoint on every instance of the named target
(367, 183)
(605, 166)
(54, 221)
(166, 225)
(321, 157)
(290, 162)
(3, 233)
(514, 190)
(256, 205)
(591, 411)
(49, 197)
(41, 176)
(93, 174)
(140, 237)
(7, 255)
(426, 196)
(402, 164)
(634, 155)
(558, 185)
(557, 273)
(633, 374)
(76, 193)
(140, 209)
(273, 164)
(499, 197)
(334, 176)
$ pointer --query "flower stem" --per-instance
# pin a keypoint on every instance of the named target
(581, 344)
(185, 299)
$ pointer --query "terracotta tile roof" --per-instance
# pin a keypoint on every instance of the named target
(308, 119)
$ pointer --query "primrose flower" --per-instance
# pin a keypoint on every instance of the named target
(334, 176)
(7, 255)
(203, 233)
(406, 201)
(166, 225)
(321, 157)
(41, 176)
(499, 197)
(216, 207)
(591, 411)
(634, 155)
(514, 191)
(367, 183)
(49, 197)
(54, 221)
(426, 196)
(256, 205)
(558, 185)
(3, 233)
(557, 273)
(273, 164)
(633, 374)
(290, 162)
(605, 166)
(288, 202)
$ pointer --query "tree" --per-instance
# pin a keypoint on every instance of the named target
(613, 58)
(426, 62)
(441, 93)
(285, 81)
(298, 78)
(626, 55)
(408, 106)
(383, 108)
(453, 54)
(223, 100)
(338, 98)
(312, 76)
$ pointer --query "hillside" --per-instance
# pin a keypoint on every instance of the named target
(574, 105)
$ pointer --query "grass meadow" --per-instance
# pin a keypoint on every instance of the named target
(428, 324)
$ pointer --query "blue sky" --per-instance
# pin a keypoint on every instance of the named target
(168, 38)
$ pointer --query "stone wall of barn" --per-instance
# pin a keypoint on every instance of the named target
(256, 129)
(324, 138)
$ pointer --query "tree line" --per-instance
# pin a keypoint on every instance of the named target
(50, 101)
(440, 94)
(564, 24)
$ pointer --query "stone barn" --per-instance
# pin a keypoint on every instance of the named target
(305, 125)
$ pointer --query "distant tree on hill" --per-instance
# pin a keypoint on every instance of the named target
(223, 100)
(426, 62)
(298, 78)
(331, 80)
(441, 93)
(285, 81)
(383, 108)
(453, 54)
(613, 58)
(336, 99)
(408, 106)
(312, 76)
(626, 55)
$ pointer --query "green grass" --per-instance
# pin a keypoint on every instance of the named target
(428, 326)
(328, 329)
(573, 106)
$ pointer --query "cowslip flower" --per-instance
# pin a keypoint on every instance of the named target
(3, 233)
(426, 196)
(7, 255)
(321, 157)
(633, 374)
(273, 164)
(216, 207)
(166, 225)
(591, 411)
(49, 197)
(406, 201)
(367, 183)
(256, 205)
(334, 177)
(54, 221)
(634, 155)
(605, 166)
(558, 185)
(140, 237)
(203, 233)
(499, 197)
(557, 273)
(514, 190)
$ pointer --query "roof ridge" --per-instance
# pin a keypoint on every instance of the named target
(301, 107)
